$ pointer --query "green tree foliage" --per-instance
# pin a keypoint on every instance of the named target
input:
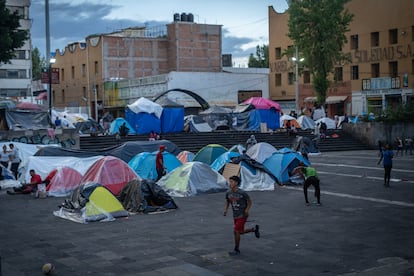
(261, 60)
(38, 63)
(11, 38)
(317, 28)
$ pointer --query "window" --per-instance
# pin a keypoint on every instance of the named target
(393, 69)
(354, 42)
(13, 74)
(412, 33)
(292, 50)
(393, 36)
(278, 53)
(354, 72)
(83, 70)
(73, 72)
(375, 70)
(63, 96)
(306, 77)
(20, 54)
(84, 92)
(291, 78)
(96, 67)
(338, 74)
(63, 74)
(375, 39)
(278, 79)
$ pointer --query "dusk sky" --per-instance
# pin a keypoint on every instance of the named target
(244, 22)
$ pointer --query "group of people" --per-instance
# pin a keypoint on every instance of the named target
(404, 145)
(9, 158)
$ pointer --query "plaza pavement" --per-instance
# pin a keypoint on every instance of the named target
(362, 228)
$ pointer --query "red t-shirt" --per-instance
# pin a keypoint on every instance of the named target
(159, 161)
(36, 179)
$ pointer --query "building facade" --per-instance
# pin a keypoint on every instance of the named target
(380, 74)
(89, 71)
(16, 76)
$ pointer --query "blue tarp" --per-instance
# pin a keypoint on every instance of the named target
(172, 119)
(115, 124)
(223, 159)
(282, 162)
(143, 122)
(144, 164)
(271, 117)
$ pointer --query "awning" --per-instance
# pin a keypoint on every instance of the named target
(41, 96)
(335, 99)
(310, 99)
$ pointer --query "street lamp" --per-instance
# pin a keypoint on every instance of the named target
(49, 96)
(296, 60)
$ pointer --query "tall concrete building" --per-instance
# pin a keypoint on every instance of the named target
(15, 77)
(131, 54)
(380, 74)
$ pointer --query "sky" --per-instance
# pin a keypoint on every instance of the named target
(244, 22)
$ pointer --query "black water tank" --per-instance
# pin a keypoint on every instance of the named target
(184, 17)
(176, 17)
(190, 17)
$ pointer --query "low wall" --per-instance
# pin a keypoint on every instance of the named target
(371, 132)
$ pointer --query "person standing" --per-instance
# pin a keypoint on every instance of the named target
(400, 146)
(159, 163)
(386, 156)
(240, 204)
(15, 159)
(311, 178)
(408, 145)
(4, 157)
(58, 122)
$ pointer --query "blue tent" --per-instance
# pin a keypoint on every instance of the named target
(115, 124)
(172, 119)
(271, 117)
(223, 159)
(144, 164)
(143, 122)
(282, 162)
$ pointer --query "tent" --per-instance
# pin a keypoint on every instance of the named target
(144, 115)
(91, 202)
(306, 122)
(63, 181)
(172, 117)
(218, 117)
(246, 117)
(193, 178)
(27, 119)
(282, 163)
(330, 124)
(85, 126)
(144, 164)
(209, 153)
(224, 158)
(261, 151)
(269, 111)
(263, 103)
(115, 124)
(185, 156)
(293, 122)
(110, 172)
(195, 123)
(145, 197)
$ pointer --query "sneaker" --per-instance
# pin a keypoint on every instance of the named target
(235, 252)
(256, 231)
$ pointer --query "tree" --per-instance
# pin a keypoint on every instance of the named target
(38, 63)
(317, 28)
(11, 37)
(261, 60)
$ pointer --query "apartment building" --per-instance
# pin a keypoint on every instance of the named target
(16, 76)
(380, 74)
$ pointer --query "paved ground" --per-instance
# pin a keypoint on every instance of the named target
(362, 228)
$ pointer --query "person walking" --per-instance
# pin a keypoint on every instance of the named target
(386, 157)
(159, 163)
(240, 204)
(311, 178)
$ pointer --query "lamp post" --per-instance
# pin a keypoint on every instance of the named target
(296, 59)
(52, 60)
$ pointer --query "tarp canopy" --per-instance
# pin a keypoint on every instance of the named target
(262, 103)
(91, 202)
(143, 122)
(306, 122)
(195, 123)
(144, 164)
(145, 197)
(247, 120)
(193, 178)
(28, 106)
(270, 117)
(209, 153)
(172, 119)
(330, 124)
(85, 126)
(63, 181)
(218, 117)
(335, 99)
(110, 172)
(115, 124)
(146, 106)
(282, 163)
(27, 119)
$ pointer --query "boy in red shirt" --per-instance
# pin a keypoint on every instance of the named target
(29, 187)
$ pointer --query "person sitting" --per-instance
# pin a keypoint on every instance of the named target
(58, 122)
(123, 130)
(28, 187)
(153, 136)
(251, 142)
(93, 131)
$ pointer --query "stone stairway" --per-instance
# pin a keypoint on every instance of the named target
(195, 141)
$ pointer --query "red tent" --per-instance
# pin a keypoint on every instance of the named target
(262, 103)
(27, 105)
(111, 172)
(63, 181)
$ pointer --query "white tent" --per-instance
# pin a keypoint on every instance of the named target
(261, 151)
(330, 124)
(306, 122)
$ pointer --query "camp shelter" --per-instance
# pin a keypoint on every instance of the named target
(284, 119)
(185, 156)
(218, 117)
(261, 151)
(62, 181)
(253, 179)
(223, 159)
(144, 115)
(195, 123)
(144, 164)
(269, 111)
(91, 202)
(306, 122)
(145, 196)
(193, 178)
(27, 119)
(172, 117)
(262, 103)
(84, 127)
(246, 117)
(330, 124)
(115, 124)
(111, 172)
(209, 153)
(282, 163)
